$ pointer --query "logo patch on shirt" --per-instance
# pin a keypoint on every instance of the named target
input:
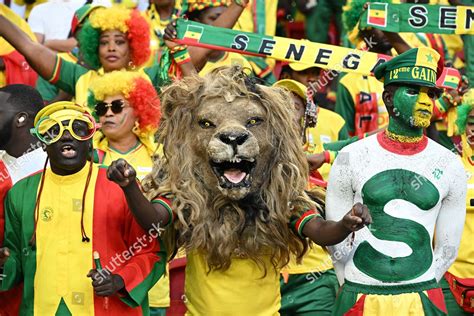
(437, 173)
(78, 298)
(76, 205)
(46, 214)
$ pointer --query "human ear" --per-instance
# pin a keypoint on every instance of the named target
(21, 119)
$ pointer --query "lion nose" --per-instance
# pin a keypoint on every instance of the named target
(233, 139)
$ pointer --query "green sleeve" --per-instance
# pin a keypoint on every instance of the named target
(47, 90)
(66, 74)
(12, 270)
(156, 77)
(343, 132)
(345, 107)
(336, 146)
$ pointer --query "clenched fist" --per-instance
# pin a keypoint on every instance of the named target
(105, 283)
(357, 217)
(121, 173)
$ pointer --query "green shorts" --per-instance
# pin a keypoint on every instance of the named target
(309, 294)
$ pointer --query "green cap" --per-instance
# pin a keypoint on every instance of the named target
(418, 66)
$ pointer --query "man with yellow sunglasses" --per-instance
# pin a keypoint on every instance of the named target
(58, 218)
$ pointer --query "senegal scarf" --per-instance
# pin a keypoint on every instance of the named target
(340, 59)
(415, 18)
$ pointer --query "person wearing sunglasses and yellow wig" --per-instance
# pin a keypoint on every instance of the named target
(127, 108)
(55, 221)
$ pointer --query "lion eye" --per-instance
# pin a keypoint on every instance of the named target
(254, 121)
(206, 124)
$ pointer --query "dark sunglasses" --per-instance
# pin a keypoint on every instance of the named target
(116, 106)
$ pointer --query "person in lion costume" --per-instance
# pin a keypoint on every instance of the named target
(231, 185)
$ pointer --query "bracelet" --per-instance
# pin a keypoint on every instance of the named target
(182, 57)
(178, 48)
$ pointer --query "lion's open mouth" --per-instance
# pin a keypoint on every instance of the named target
(235, 173)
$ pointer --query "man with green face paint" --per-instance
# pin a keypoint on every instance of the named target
(415, 191)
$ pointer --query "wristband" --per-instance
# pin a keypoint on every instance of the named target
(329, 156)
(182, 57)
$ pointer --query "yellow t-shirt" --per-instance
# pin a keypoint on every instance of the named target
(29, 6)
(138, 157)
(60, 212)
(463, 267)
(316, 259)
(228, 59)
(242, 287)
(326, 131)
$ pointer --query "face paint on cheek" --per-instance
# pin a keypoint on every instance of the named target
(124, 118)
(422, 113)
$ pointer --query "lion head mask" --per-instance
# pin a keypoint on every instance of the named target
(235, 167)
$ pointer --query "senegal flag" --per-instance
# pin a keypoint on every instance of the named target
(54, 270)
(450, 78)
(193, 33)
(377, 14)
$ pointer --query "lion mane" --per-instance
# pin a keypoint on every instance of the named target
(257, 226)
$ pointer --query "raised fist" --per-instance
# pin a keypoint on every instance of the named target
(121, 173)
(357, 217)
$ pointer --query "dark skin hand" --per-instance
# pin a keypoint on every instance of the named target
(315, 161)
(394, 38)
(105, 283)
(200, 55)
(4, 254)
(145, 213)
(327, 233)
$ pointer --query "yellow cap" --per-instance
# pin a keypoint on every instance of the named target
(300, 66)
(293, 86)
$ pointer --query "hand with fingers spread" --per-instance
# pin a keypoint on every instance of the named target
(105, 283)
(4, 255)
(121, 173)
(357, 217)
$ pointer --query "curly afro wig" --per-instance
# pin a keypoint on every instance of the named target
(136, 89)
(130, 22)
(463, 111)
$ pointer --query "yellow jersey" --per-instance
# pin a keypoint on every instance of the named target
(463, 267)
(330, 128)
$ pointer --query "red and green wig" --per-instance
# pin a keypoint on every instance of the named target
(136, 89)
(129, 22)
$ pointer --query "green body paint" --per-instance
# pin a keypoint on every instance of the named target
(377, 192)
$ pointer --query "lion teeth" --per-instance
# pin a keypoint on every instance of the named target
(235, 160)
(251, 159)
